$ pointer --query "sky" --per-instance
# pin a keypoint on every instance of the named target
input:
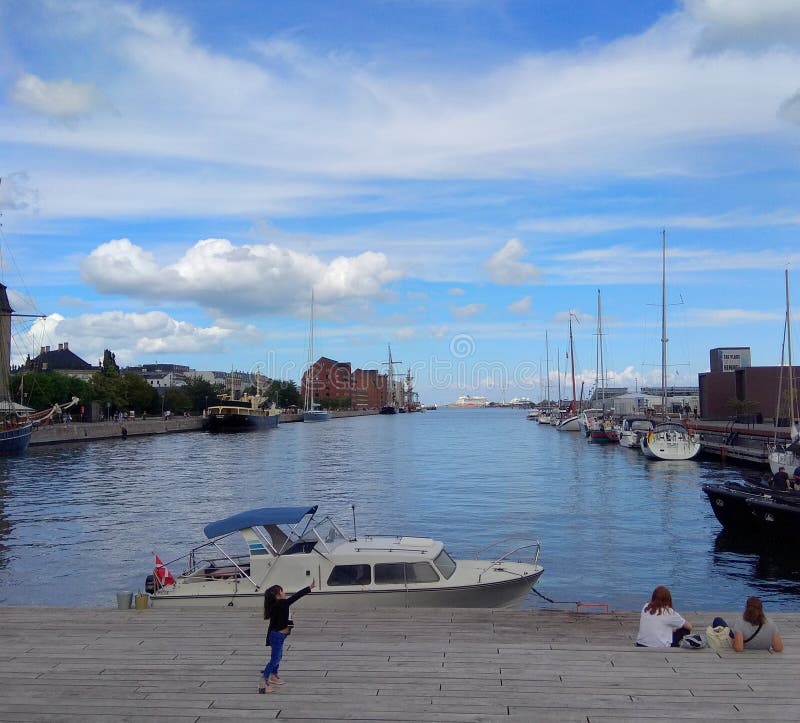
(456, 178)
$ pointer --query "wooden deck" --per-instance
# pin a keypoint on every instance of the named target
(97, 665)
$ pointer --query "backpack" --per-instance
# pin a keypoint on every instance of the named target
(693, 642)
(719, 637)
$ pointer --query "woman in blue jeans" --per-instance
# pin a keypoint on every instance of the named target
(276, 610)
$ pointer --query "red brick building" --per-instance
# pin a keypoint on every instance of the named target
(336, 382)
(369, 389)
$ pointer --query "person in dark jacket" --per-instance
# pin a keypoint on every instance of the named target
(276, 610)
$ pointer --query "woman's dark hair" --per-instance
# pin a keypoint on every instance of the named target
(661, 600)
(270, 596)
(754, 611)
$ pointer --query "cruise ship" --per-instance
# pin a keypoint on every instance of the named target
(469, 401)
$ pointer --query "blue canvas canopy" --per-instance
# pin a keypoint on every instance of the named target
(254, 518)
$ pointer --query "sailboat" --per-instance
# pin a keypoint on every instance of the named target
(668, 440)
(312, 412)
(546, 413)
(392, 405)
(786, 455)
(569, 421)
(602, 430)
(15, 426)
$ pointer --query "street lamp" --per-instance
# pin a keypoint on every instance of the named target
(108, 411)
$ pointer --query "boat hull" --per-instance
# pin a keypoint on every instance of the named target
(571, 424)
(670, 446)
(604, 436)
(776, 519)
(240, 422)
(388, 410)
(15, 440)
(316, 416)
(506, 594)
(729, 502)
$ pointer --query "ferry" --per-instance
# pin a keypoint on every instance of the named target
(286, 546)
(470, 401)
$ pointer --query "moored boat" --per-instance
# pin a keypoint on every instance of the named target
(241, 415)
(670, 440)
(286, 546)
(729, 502)
(632, 431)
(15, 425)
(777, 516)
(604, 431)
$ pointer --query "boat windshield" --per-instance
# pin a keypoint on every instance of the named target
(328, 533)
(445, 564)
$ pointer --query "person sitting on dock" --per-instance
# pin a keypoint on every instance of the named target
(780, 480)
(660, 626)
(754, 631)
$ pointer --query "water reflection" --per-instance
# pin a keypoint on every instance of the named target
(612, 524)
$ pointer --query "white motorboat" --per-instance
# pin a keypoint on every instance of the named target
(286, 546)
(587, 419)
(533, 415)
(633, 429)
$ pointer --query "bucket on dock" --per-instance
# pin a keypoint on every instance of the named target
(142, 601)
(124, 600)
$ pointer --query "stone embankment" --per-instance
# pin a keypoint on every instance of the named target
(86, 432)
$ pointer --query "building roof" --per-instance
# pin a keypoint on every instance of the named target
(57, 359)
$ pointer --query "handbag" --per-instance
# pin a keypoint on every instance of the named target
(719, 637)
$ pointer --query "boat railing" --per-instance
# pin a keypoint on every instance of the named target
(509, 555)
(201, 566)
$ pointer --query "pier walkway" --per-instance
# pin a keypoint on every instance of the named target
(200, 665)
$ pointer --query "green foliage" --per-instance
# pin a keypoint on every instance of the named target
(177, 401)
(43, 390)
(201, 393)
(742, 406)
(335, 403)
(139, 395)
(286, 393)
(110, 367)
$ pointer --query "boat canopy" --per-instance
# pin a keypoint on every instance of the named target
(260, 517)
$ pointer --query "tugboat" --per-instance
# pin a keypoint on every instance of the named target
(250, 413)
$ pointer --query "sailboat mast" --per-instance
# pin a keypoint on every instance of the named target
(664, 322)
(791, 371)
(572, 363)
(547, 367)
(602, 367)
(558, 371)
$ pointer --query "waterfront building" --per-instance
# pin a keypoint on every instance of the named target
(334, 381)
(751, 391)
(62, 361)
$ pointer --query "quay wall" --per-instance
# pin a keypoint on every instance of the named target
(89, 431)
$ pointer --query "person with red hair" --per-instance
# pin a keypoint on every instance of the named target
(659, 625)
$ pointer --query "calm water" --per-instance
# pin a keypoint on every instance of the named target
(78, 523)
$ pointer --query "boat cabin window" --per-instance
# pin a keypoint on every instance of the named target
(399, 573)
(445, 564)
(329, 533)
(350, 575)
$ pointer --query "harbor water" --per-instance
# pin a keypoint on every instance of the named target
(80, 522)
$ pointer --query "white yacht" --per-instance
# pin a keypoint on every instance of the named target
(286, 546)
(470, 401)
(633, 429)
(670, 440)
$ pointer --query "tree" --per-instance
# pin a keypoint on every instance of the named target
(285, 392)
(107, 385)
(177, 401)
(141, 397)
(43, 390)
(201, 393)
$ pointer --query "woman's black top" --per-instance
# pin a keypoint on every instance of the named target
(279, 617)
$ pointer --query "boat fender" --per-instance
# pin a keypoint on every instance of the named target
(150, 584)
(124, 432)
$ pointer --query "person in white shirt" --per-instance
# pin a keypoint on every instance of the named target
(659, 625)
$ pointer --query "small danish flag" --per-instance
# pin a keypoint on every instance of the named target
(162, 575)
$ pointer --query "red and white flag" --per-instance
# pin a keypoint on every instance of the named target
(163, 576)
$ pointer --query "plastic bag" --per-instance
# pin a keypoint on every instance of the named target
(719, 637)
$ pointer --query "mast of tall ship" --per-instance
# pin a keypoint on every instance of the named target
(547, 367)
(572, 362)
(792, 427)
(664, 323)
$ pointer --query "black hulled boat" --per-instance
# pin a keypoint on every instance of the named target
(730, 503)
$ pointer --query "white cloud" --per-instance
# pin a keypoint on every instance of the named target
(440, 331)
(62, 99)
(246, 279)
(729, 317)
(16, 193)
(317, 116)
(522, 306)
(507, 267)
(466, 311)
(131, 336)
(745, 24)
(405, 333)
(455, 291)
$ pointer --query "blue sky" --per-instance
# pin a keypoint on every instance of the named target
(452, 177)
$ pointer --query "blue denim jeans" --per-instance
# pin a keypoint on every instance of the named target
(276, 641)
